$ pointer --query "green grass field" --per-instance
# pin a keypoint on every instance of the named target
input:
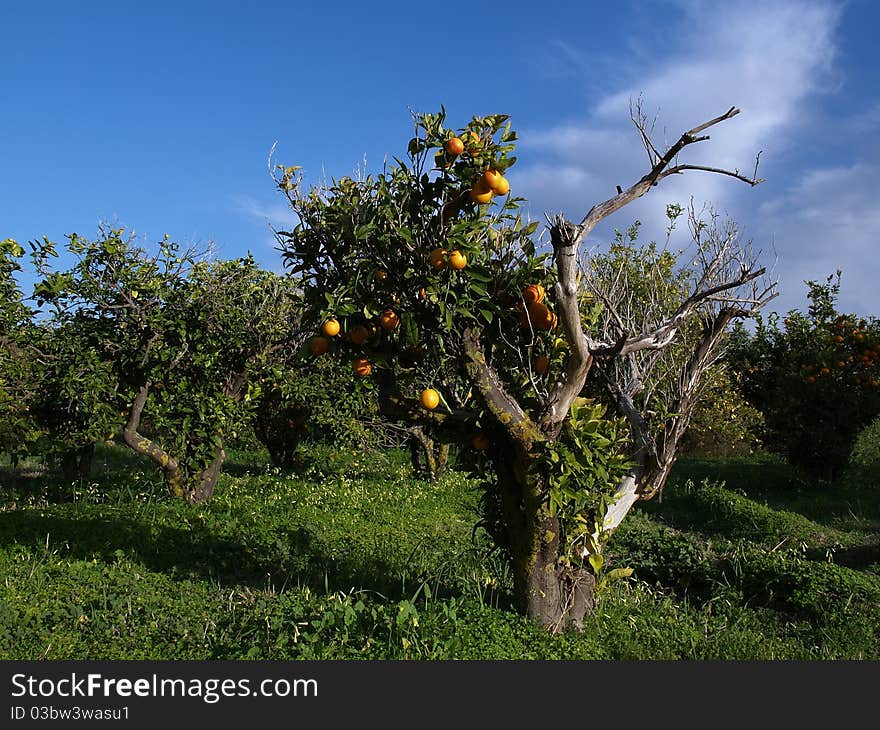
(355, 559)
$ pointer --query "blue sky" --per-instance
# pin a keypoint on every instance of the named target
(159, 116)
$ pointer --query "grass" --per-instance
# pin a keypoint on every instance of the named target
(353, 558)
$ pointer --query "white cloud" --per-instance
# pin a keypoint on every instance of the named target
(772, 60)
(829, 221)
(278, 215)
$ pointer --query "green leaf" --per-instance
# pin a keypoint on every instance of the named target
(596, 561)
(618, 573)
(479, 273)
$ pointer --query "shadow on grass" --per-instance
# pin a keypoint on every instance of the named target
(854, 499)
(282, 558)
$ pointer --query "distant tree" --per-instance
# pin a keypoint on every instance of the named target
(187, 340)
(18, 366)
(815, 376)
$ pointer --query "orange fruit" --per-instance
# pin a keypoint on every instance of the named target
(429, 399)
(837, 338)
(454, 146)
(362, 367)
(480, 442)
(331, 328)
(437, 258)
(533, 294)
(825, 371)
(457, 260)
(359, 335)
(381, 275)
(319, 345)
(811, 379)
(389, 320)
(481, 192)
(542, 318)
(542, 364)
(491, 177)
(502, 187)
(841, 364)
(496, 181)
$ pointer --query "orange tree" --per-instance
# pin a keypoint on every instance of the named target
(437, 284)
(19, 364)
(816, 377)
(181, 345)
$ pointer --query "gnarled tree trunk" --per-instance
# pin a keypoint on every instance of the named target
(195, 488)
(428, 458)
(558, 597)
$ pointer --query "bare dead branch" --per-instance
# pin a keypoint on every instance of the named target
(679, 169)
(603, 210)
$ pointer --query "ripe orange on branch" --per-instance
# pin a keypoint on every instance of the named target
(541, 316)
(362, 367)
(481, 192)
(496, 182)
(437, 258)
(331, 328)
(480, 442)
(533, 294)
(457, 260)
(359, 335)
(429, 399)
(389, 320)
(454, 146)
(542, 364)
(319, 345)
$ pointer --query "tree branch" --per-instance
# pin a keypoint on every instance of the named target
(664, 334)
(578, 365)
(507, 411)
(638, 189)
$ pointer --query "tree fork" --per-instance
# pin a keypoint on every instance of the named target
(144, 446)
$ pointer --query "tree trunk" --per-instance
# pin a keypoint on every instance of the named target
(557, 596)
(281, 437)
(428, 462)
(76, 463)
(203, 484)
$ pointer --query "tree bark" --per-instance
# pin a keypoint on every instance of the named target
(428, 459)
(205, 482)
(556, 596)
(144, 446)
(279, 428)
(195, 489)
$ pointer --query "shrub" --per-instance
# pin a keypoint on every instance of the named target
(724, 423)
(866, 451)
